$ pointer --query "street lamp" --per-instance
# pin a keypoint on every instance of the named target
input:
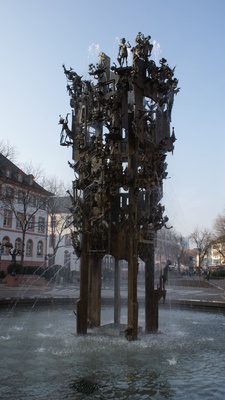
(199, 262)
(6, 244)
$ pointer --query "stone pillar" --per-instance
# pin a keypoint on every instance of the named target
(117, 298)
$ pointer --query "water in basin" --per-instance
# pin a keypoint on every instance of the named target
(43, 358)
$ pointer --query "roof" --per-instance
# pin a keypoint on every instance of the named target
(27, 179)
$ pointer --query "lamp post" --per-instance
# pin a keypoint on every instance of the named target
(7, 244)
(199, 261)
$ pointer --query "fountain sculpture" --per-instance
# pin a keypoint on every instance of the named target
(120, 134)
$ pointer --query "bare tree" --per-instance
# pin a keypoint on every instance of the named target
(171, 245)
(59, 222)
(40, 176)
(219, 226)
(21, 197)
(53, 185)
(180, 247)
(8, 151)
(24, 204)
(49, 182)
(28, 197)
(58, 213)
(164, 244)
(203, 240)
(219, 235)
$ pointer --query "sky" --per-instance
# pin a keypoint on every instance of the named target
(38, 36)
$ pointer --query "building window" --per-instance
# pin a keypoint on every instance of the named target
(9, 192)
(19, 220)
(7, 218)
(68, 220)
(52, 240)
(67, 259)
(5, 249)
(40, 248)
(31, 223)
(53, 222)
(41, 225)
(29, 248)
(42, 203)
(8, 173)
(20, 177)
(67, 240)
(31, 179)
(21, 197)
(18, 244)
(32, 200)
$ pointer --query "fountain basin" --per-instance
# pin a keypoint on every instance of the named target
(43, 358)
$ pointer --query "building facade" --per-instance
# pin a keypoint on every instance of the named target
(215, 256)
(60, 249)
(23, 217)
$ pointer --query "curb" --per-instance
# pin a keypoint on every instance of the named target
(54, 301)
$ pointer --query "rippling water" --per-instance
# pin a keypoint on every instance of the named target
(42, 358)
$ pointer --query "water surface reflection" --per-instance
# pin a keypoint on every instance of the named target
(43, 358)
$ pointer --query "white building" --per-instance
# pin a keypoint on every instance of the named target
(23, 216)
(59, 247)
(215, 255)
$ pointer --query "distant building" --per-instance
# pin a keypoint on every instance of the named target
(168, 247)
(60, 250)
(23, 207)
(215, 255)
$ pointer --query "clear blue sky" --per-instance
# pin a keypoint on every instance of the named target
(38, 36)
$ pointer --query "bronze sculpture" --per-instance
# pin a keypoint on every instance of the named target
(120, 135)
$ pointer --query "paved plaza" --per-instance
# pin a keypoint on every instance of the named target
(183, 291)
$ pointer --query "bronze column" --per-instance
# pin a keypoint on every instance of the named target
(82, 303)
(94, 298)
(151, 301)
(133, 267)
(117, 299)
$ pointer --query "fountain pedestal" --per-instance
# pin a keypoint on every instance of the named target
(12, 280)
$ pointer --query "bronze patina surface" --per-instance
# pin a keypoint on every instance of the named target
(120, 134)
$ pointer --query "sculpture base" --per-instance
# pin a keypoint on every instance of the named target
(12, 280)
(113, 330)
